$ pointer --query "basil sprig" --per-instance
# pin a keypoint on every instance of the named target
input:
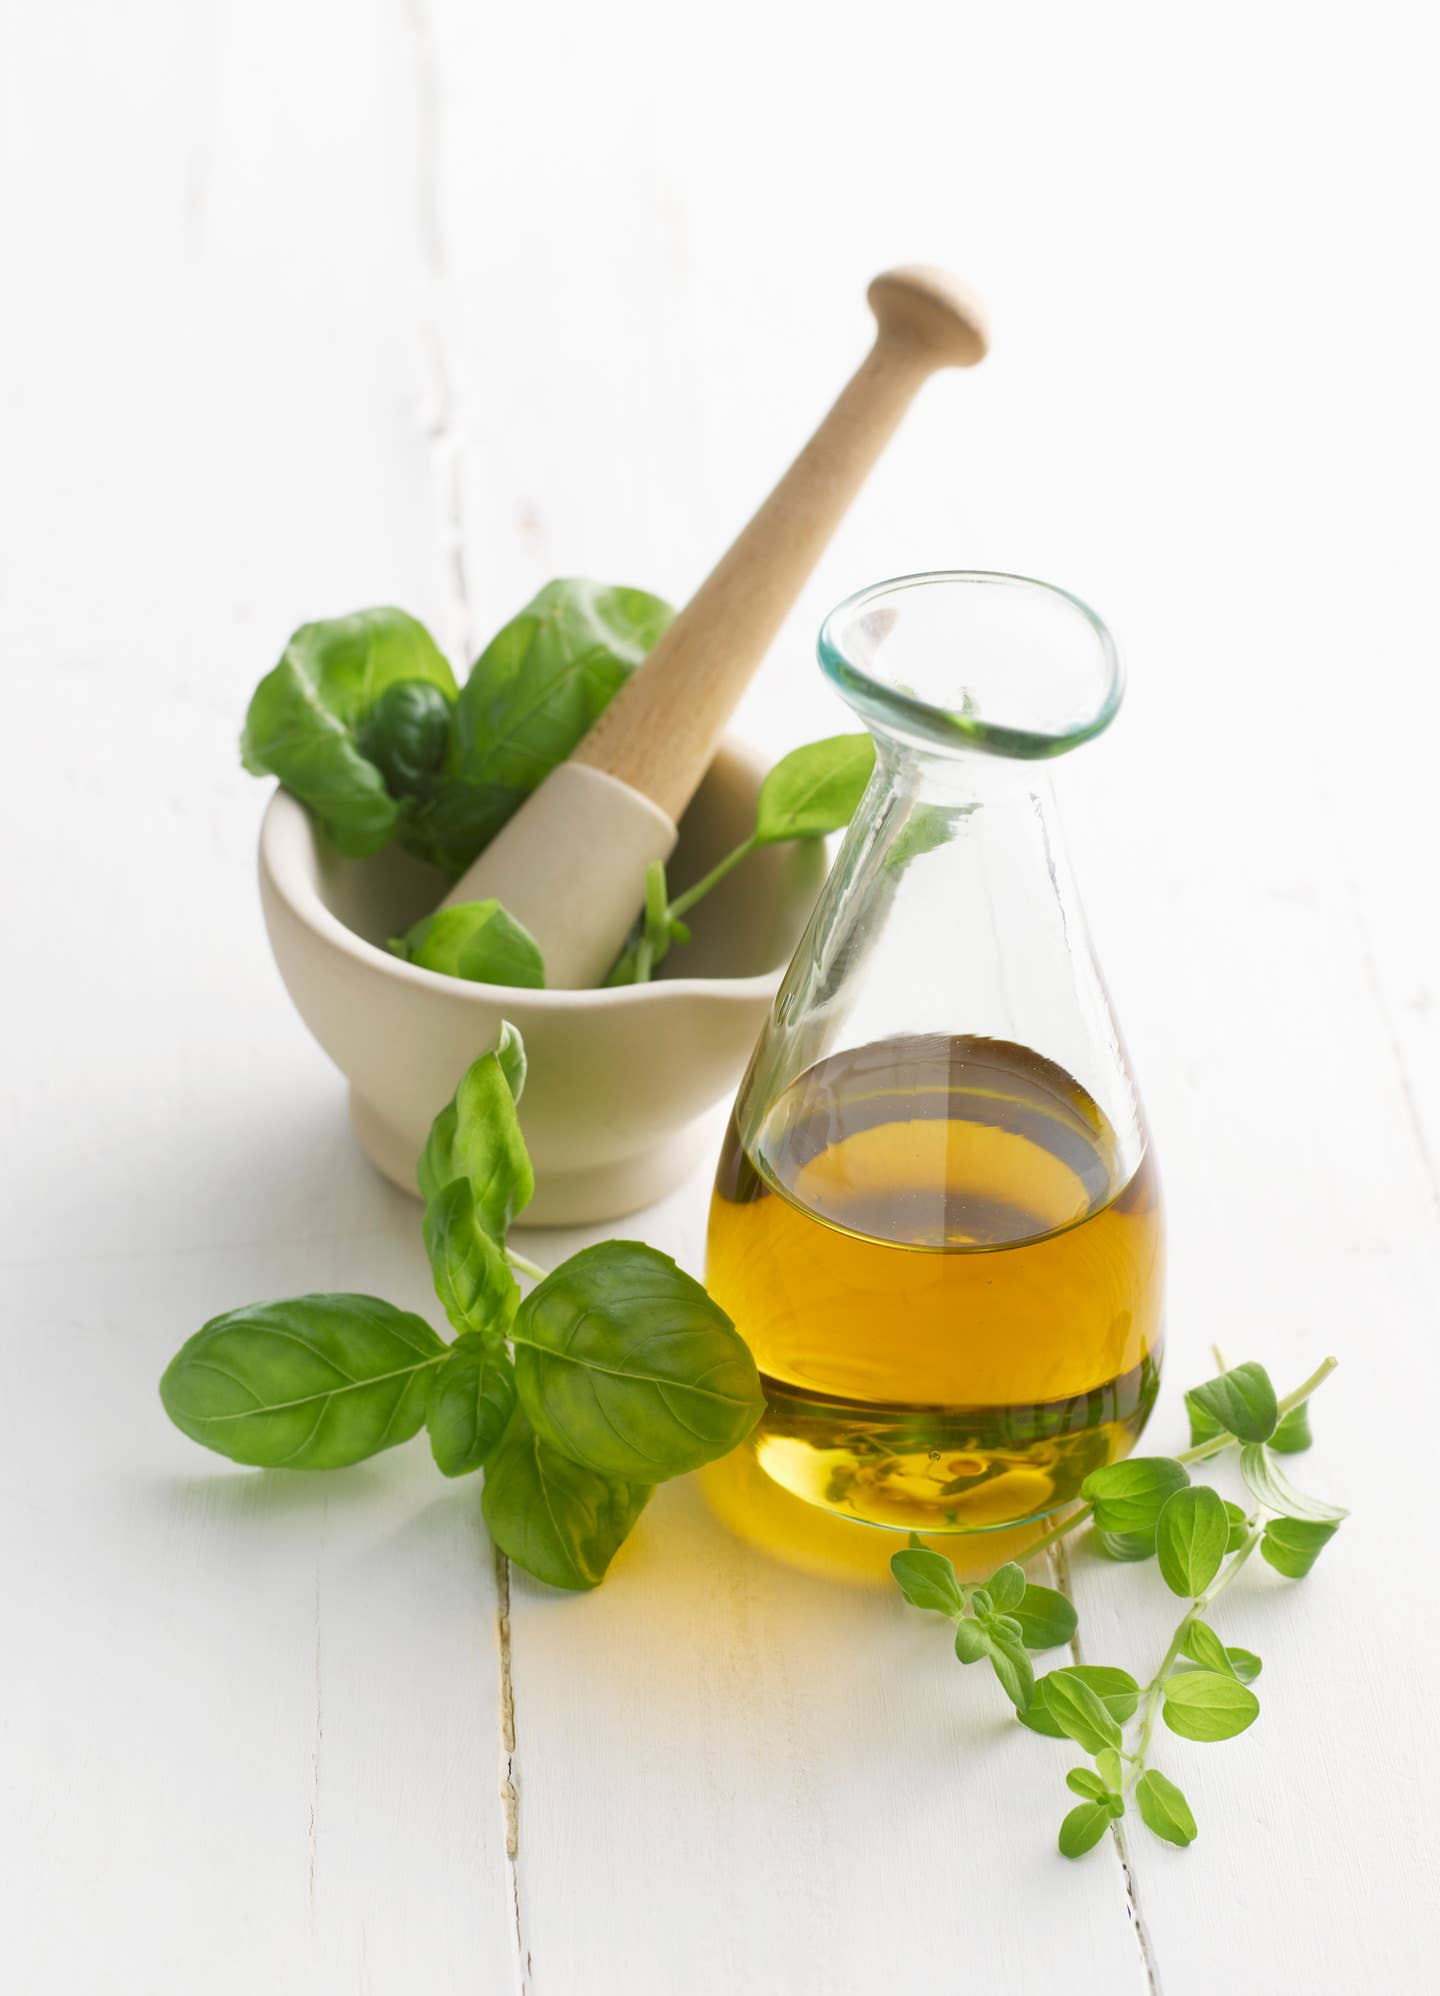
(614, 1374)
(1147, 1508)
(362, 721)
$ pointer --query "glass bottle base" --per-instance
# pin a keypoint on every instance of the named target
(938, 1470)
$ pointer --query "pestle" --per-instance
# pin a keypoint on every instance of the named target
(571, 862)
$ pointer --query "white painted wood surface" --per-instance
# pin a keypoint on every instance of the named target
(316, 305)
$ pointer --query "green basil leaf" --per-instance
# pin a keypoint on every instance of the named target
(1190, 1539)
(927, 1580)
(1079, 1713)
(1085, 1781)
(1207, 1705)
(472, 1276)
(315, 1383)
(535, 690)
(1083, 1828)
(477, 1136)
(1127, 1545)
(1011, 1664)
(1129, 1496)
(624, 1363)
(304, 716)
(1238, 1526)
(1241, 1401)
(455, 820)
(1164, 1809)
(557, 1519)
(1265, 1481)
(970, 1641)
(1046, 1618)
(406, 734)
(981, 1604)
(1006, 1587)
(1107, 1766)
(814, 789)
(1292, 1545)
(1116, 1689)
(1245, 1664)
(472, 1396)
(1204, 1647)
(477, 940)
(510, 1052)
(1293, 1436)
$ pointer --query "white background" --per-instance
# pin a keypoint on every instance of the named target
(313, 305)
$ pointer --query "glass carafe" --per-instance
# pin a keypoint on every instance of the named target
(936, 1220)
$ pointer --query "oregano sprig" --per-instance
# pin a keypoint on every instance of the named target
(1142, 1508)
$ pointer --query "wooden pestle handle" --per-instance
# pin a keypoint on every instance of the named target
(660, 731)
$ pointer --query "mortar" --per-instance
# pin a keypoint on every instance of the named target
(617, 1079)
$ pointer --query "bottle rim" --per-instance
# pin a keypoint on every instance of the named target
(963, 722)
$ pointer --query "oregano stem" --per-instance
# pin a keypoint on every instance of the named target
(683, 903)
(1154, 1690)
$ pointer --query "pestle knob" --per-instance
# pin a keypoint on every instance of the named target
(570, 864)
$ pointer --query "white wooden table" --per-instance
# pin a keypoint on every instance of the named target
(316, 305)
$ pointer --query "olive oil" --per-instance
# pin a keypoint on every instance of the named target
(951, 1283)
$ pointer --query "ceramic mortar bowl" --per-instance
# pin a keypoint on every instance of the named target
(616, 1078)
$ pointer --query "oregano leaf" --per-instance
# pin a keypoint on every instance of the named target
(1241, 1402)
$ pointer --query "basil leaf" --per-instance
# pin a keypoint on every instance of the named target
(1129, 1496)
(472, 1396)
(1116, 1689)
(472, 1276)
(1046, 1618)
(477, 1137)
(538, 686)
(1245, 1664)
(1164, 1809)
(1079, 1713)
(1006, 1587)
(406, 734)
(1127, 1545)
(1190, 1539)
(1293, 1436)
(1238, 1526)
(315, 1383)
(1085, 1781)
(1241, 1401)
(927, 1580)
(970, 1641)
(304, 715)
(510, 1052)
(814, 789)
(1012, 1666)
(478, 940)
(557, 1519)
(1083, 1828)
(1207, 1705)
(1292, 1545)
(1265, 1481)
(1107, 1765)
(624, 1363)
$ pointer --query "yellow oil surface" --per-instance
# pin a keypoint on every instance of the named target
(953, 1294)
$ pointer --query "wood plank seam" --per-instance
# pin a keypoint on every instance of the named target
(1059, 1560)
(440, 425)
(509, 1773)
